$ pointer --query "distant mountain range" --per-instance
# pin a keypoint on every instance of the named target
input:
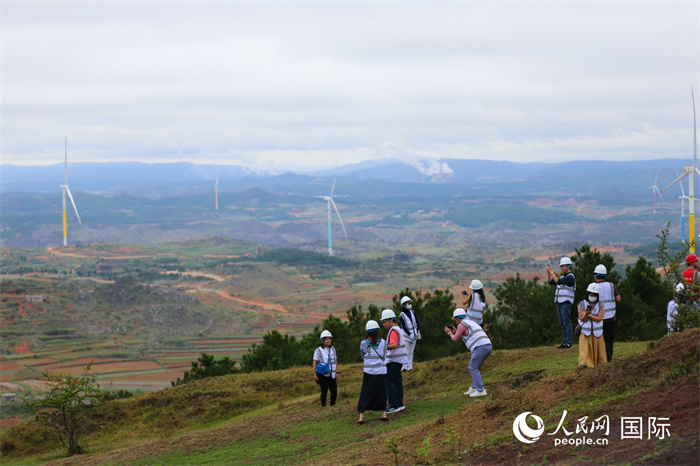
(621, 179)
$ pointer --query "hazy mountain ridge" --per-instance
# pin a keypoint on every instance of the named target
(167, 179)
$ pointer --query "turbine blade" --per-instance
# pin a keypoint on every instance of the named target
(695, 130)
(675, 181)
(70, 196)
(680, 184)
(334, 177)
(660, 195)
(340, 218)
(656, 181)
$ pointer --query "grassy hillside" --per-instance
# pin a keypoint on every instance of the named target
(275, 418)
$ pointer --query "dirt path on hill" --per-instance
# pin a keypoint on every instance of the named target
(56, 252)
(267, 308)
(681, 447)
(194, 273)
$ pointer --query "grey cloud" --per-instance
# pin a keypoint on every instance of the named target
(293, 81)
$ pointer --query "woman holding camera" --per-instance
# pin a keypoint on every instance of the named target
(475, 301)
(591, 345)
(477, 342)
(326, 368)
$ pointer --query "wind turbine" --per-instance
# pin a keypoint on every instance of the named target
(683, 197)
(330, 202)
(66, 189)
(690, 173)
(656, 189)
(216, 192)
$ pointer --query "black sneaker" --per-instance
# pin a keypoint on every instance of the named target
(568, 346)
(562, 346)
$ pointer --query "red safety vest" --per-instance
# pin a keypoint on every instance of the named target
(690, 274)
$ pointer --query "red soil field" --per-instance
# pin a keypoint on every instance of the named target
(152, 377)
(175, 365)
(80, 362)
(232, 341)
(31, 362)
(9, 366)
(127, 366)
(10, 422)
(6, 377)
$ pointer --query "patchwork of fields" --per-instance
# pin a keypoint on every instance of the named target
(140, 315)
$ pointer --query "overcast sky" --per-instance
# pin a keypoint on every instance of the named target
(303, 83)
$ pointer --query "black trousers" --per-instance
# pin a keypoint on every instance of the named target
(328, 383)
(394, 384)
(609, 337)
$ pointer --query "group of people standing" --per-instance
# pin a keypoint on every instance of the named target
(691, 276)
(596, 313)
(385, 360)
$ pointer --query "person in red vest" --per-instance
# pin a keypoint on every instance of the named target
(691, 273)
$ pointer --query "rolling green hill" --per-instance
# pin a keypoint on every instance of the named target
(275, 418)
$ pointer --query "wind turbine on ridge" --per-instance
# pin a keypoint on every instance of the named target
(656, 189)
(216, 192)
(682, 197)
(66, 189)
(690, 173)
(330, 202)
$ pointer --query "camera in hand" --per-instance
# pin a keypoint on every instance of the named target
(464, 293)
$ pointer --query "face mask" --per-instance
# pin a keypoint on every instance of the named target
(592, 299)
(409, 306)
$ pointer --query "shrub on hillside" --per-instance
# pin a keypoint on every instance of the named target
(207, 366)
(66, 408)
(278, 351)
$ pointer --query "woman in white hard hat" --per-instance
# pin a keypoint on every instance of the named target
(373, 393)
(477, 342)
(475, 301)
(411, 330)
(326, 368)
(591, 345)
(396, 357)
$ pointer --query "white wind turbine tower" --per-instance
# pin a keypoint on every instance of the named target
(66, 189)
(690, 173)
(330, 202)
(683, 197)
(655, 189)
(216, 192)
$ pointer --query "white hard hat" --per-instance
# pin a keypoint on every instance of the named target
(565, 261)
(680, 288)
(476, 285)
(459, 312)
(388, 314)
(405, 300)
(326, 334)
(600, 270)
(593, 288)
(371, 326)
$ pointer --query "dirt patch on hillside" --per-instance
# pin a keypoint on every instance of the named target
(680, 447)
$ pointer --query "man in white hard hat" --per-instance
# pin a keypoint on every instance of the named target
(609, 297)
(564, 297)
(395, 359)
(411, 330)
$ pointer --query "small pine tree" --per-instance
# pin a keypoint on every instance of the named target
(65, 409)
(207, 366)
(524, 315)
